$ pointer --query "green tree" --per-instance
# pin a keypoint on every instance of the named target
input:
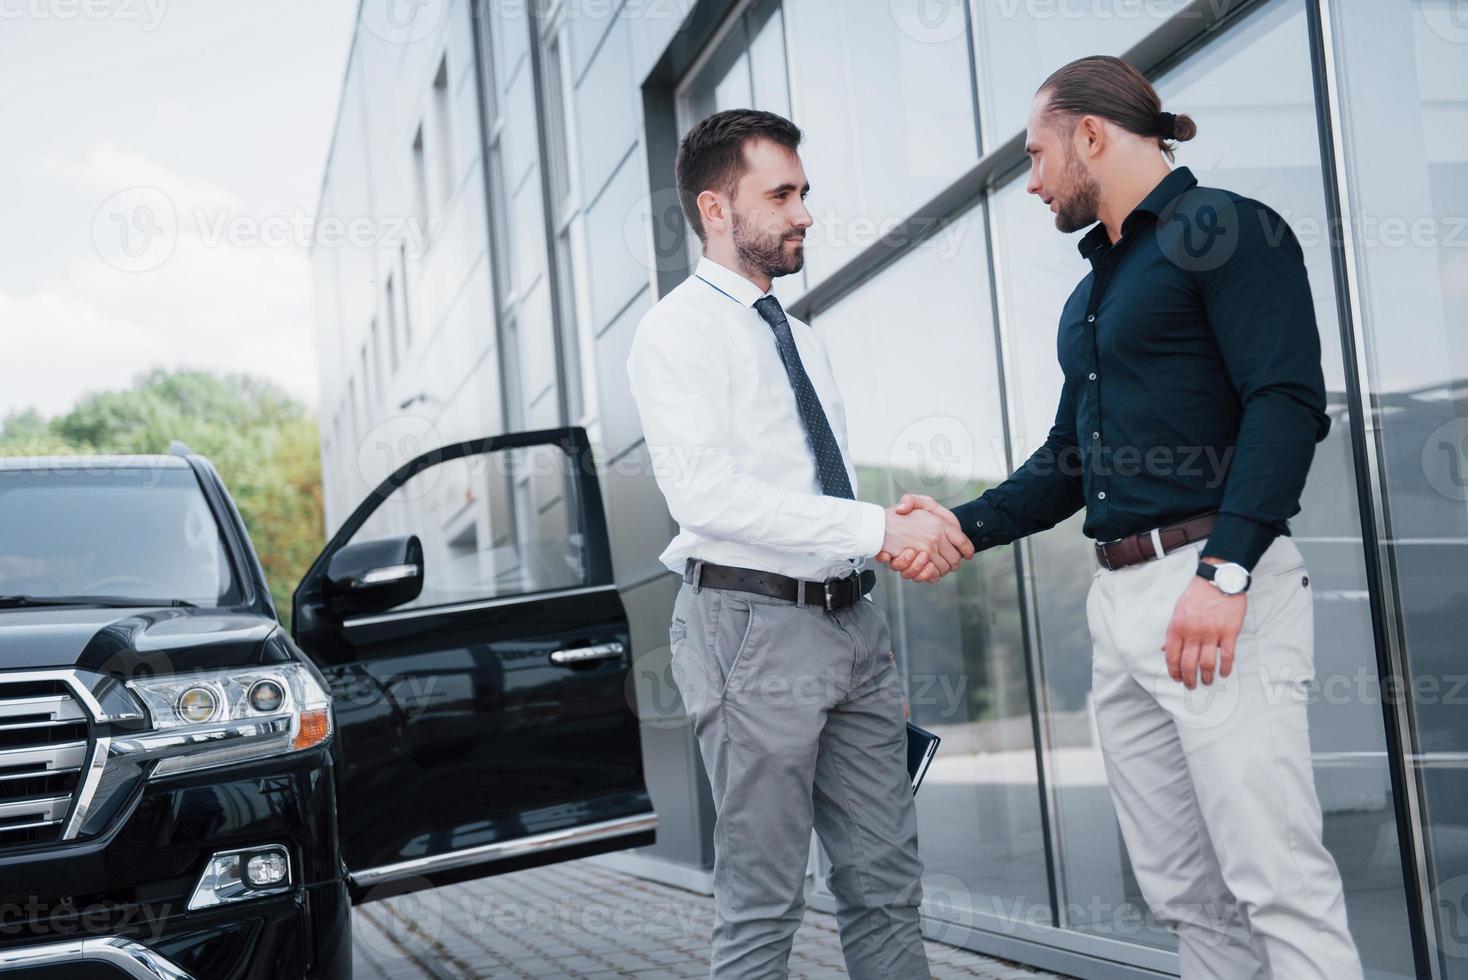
(262, 441)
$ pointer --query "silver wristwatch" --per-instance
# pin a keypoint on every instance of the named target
(1229, 578)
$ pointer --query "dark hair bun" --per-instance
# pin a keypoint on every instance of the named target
(1183, 127)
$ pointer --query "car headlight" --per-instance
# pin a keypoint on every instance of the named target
(212, 718)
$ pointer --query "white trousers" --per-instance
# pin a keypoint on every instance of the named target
(1214, 787)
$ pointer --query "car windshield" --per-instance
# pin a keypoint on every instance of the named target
(142, 532)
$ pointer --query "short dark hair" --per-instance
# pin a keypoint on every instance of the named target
(711, 156)
(1101, 85)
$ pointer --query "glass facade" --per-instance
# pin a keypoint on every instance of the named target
(1403, 105)
(1257, 72)
(997, 657)
(878, 143)
(1348, 118)
(960, 642)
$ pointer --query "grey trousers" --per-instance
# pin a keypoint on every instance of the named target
(798, 714)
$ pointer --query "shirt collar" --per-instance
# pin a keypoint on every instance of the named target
(728, 281)
(1168, 190)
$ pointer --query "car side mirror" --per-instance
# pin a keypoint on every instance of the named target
(371, 576)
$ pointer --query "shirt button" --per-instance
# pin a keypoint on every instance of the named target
(1091, 376)
(1095, 435)
(1101, 495)
(978, 523)
(1091, 318)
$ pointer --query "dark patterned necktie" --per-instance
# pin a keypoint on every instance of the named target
(829, 465)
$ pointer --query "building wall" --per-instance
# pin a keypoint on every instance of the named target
(417, 268)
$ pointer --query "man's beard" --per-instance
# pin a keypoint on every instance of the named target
(765, 254)
(1078, 209)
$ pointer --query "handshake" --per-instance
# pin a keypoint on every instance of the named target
(924, 540)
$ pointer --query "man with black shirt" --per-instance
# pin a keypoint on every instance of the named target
(1192, 402)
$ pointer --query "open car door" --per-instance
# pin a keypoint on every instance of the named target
(478, 653)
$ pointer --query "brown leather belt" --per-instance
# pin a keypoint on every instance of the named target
(1142, 547)
(833, 593)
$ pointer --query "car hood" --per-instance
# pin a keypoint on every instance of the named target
(128, 641)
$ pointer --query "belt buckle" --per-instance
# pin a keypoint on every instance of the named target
(1101, 547)
(828, 586)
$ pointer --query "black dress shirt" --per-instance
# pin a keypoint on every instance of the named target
(1192, 381)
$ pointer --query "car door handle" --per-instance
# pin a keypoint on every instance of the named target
(576, 655)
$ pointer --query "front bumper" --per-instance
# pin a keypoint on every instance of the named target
(122, 956)
(132, 884)
(306, 934)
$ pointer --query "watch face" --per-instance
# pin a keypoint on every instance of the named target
(1231, 578)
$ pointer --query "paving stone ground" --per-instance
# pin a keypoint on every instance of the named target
(582, 920)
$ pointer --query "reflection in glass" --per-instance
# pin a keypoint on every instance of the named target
(1404, 101)
(913, 351)
(492, 524)
(142, 532)
(747, 70)
(1250, 91)
(1018, 45)
(888, 116)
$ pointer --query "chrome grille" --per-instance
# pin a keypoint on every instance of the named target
(43, 747)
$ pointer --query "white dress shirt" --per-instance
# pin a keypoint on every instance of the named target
(727, 443)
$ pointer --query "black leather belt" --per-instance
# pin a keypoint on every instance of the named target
(833, 593)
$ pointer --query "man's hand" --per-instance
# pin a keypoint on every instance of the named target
(1205, 625)
(919, 560)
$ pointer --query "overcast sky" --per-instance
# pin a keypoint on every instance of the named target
(145, 142)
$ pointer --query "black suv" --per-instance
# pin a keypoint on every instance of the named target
(186, 790)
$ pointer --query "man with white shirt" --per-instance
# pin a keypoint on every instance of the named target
(784, 665)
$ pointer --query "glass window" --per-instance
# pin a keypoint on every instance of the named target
(491, 524)
(959, 642)
(746, 69)
(1404, 102)
(390, 310)
(444, 135)
(1018, 44)
(143, 532)
(1251, 93)
(565, 207)
(888, 115)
